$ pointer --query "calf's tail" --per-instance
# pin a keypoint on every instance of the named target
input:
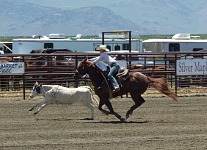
(94, 97)
(95, 100)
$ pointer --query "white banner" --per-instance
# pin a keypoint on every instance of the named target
(12, 67)
(192, 67)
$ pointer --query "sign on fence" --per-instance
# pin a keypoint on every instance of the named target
(12, 67)
(191, 67)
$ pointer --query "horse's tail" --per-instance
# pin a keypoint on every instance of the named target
(160, 84)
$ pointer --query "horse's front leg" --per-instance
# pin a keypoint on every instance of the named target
(108, 104)
(101, 103)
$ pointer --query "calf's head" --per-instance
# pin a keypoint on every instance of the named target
(36, 90)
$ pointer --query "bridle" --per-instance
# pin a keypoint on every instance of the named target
(82, 67)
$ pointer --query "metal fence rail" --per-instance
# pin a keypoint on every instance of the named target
(60, 69)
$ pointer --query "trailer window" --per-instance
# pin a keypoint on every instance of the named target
(197, 55)
(117, 47)
(197, 49)
(174, 47)
(109, 47)
(48, 45)
(125, 46)
(153, 46)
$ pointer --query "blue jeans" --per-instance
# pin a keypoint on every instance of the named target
(113, 70)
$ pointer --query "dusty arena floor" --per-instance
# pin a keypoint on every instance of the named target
(159, 123)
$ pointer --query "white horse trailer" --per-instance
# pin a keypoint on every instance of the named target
(76, 44)
(178, 43)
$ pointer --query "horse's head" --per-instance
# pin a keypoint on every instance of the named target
(36, 90)
(95, 74)
(85, 66)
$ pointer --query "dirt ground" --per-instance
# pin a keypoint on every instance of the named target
(159, 123)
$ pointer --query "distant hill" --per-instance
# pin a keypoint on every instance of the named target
(42, 17)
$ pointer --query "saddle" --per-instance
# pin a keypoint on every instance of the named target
(123, 74)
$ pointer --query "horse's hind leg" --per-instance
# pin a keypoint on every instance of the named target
(139, 100)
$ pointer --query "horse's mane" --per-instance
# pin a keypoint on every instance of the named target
(99, 76)
(97, 73)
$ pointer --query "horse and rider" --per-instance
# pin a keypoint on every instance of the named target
(135, 83)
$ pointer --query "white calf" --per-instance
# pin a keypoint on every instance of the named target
(55, 94)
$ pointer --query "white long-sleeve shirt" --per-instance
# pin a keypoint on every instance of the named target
(105, 58)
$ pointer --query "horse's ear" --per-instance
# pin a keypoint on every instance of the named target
(36, 83)
(92, 64)
(86, 59)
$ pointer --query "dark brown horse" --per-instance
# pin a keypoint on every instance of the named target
(136, 84)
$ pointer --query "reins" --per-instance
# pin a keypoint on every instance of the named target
(110, 93)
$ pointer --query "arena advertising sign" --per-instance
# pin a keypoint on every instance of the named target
(12, 68)
(192, 67)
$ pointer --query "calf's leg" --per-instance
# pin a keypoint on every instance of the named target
(88, 103)
(40, 105)
(37, 105)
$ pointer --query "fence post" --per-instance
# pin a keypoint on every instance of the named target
(24, 94)
(176, 88)
(76, 74)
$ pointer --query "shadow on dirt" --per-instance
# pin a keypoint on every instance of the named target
(58, 119)
(119, 122)
(92, 121)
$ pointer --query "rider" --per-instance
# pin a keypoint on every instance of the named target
(109, 61)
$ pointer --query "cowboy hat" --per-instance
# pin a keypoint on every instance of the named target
(102, 47)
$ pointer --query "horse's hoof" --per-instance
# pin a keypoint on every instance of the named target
(88, 119)
(122, 120)
(128, 114)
